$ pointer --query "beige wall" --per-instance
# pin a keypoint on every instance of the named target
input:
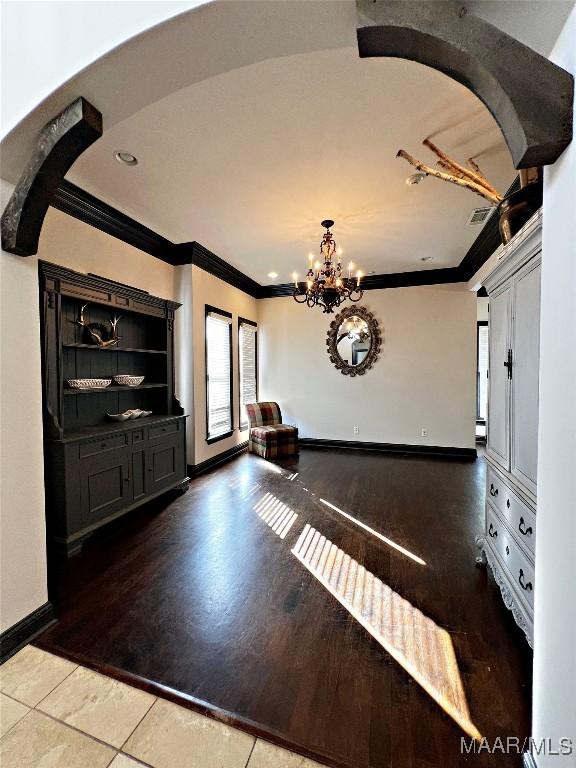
(482, 308)
(424, 378)
(207, 289)
(22, 528)
(66, 241)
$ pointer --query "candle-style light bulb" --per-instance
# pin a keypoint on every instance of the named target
(295, 278)
(350, 268)
(317, 265)
(310, 258)
(358, 278)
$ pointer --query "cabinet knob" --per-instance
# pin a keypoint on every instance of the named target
(492, 532)
(493, 491)
(104, 445)
(508, 503)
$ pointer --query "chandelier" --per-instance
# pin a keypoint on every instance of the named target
(325, 284)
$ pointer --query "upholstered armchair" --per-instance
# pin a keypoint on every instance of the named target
(270, 438)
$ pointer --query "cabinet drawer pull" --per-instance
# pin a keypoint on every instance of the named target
(525, 531)
(526, 586)
(508, 503)
(507, 549)
(493, 491)
(103, 445)
(492, 532)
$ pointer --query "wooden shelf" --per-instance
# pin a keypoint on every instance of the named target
(115, 349)
(112, 427)
(111, 388)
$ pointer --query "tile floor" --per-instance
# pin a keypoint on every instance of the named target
(56, 714)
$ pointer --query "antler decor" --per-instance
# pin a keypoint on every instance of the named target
(98, 331)
(470, 177)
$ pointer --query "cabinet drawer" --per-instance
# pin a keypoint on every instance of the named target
(163, 429)
(521, 519)
(138, 436)
(103, 444)
(495, 490)
(519, 516)
(519, 567)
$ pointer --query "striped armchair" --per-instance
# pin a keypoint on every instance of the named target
(270, 438)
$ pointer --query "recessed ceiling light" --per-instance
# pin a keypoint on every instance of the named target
(126, 158)
(272, 275)
(426, 258)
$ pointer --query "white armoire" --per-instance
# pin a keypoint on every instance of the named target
(508, 541)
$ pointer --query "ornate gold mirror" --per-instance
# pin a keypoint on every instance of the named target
(354, 341)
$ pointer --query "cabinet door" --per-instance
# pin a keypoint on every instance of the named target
(498, 430)
(138, 474)
(105, 484)
(526, 358)
(166, 463)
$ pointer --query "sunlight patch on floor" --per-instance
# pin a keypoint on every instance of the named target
(417, 643)
(378, 535)
(276, 514)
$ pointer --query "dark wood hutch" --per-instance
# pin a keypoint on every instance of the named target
(97, 469)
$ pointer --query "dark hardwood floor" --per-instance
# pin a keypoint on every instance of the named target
(343, 647)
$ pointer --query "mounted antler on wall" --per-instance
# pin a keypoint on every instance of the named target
(97, 332)
(514, 210)
(470, 177)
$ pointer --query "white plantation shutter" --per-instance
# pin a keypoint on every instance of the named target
(482, 371)
(218, 373)
(247, 352)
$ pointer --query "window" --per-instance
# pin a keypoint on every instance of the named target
(482, 379)
(247, 366)
(218, 374)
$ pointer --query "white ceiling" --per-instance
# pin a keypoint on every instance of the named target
(249, 162)
(255, 120)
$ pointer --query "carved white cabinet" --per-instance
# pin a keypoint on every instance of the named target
(508, 541)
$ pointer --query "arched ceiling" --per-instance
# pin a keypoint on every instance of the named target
(249, 162)
(255, 120)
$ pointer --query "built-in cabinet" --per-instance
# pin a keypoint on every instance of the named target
(508, 542)
(97, 469)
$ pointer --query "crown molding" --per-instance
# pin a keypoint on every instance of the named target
(83, 206)
(80, 204)
(197, 254)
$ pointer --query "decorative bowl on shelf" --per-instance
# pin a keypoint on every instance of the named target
(89, 383)
(129, 381)
(134, 413)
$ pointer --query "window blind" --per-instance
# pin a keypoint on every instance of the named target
(218, 375)
(247, 353)
(482, 372)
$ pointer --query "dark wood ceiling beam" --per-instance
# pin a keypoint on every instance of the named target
(60, 143)
(530, 97)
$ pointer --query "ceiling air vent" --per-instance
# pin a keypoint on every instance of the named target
(479, 216)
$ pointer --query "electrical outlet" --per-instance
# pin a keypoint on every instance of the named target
(356, 430)
(424, 432)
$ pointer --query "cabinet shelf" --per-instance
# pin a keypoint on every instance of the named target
(114, 427)
(93, 347)
(112, 388)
